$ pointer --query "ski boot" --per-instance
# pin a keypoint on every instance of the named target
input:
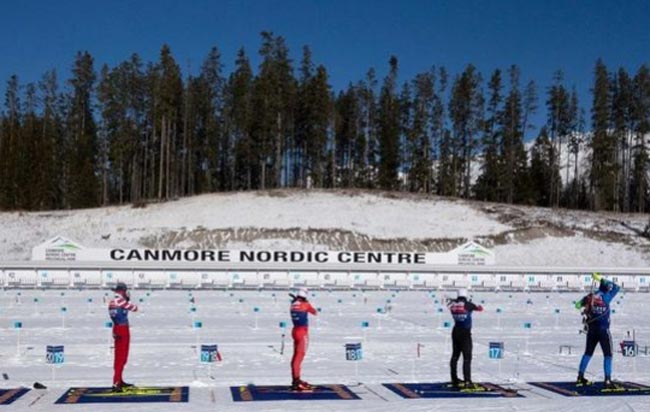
(609, 384)
(470, 386)
(300, 386)
(582, 381)
(456, 384)
(306, 384)
(117, 388)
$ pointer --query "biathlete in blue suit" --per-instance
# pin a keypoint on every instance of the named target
(595, 309)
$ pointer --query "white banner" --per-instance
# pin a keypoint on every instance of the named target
(62, 249)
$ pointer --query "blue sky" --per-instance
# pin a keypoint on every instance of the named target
(348, 37)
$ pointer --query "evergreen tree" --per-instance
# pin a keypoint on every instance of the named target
(389, 130)
(488, 183)
(623, 127)
(9, 147)
(322, 106)
(641, 114)
(347, 135)
(273, 95)
(51, 155)
(406, 159)
(368, 117)
(438, 129)
(312, 122)
(543, 168)
(558, 123)
(603, 143)
(168, 94)
(29, 151)
(81, 137)
(240, 113)
(576, 140)
(303, 119)
(214, 147)
(122, 130)
(466, 113)
(514, 158)
(419, 135)
(139, 127)
(448, 165)
(112, 150)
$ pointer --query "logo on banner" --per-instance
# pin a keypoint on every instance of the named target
(472, 253)
(58, 248)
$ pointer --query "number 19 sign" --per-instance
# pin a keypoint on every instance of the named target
(54, 355)
(209, 353)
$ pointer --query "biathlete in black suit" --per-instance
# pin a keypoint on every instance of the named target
(461, 337)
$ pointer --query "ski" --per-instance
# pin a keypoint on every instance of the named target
(132, 390)
(310, 390)
(617, 387)
(38, 398)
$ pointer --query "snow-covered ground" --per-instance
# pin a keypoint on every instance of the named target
(163, 349)
(324, 220)
(164, 342)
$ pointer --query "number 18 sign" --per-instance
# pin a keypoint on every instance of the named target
(353, 352)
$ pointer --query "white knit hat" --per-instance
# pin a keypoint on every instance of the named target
(462, 293)
(302, 293)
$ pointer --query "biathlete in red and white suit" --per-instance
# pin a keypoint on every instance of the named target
(118, 309)
(300, 310)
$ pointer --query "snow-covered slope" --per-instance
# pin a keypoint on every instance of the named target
(341, 220)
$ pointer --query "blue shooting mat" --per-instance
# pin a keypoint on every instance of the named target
(445, 390)
(133, 394)
(8, 396)
(250, 393)
(595, 389)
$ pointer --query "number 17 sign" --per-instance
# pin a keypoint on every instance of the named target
(496, 350)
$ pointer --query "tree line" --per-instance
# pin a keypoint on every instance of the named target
(141, 131)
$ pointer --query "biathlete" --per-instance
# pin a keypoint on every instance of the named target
(595, 310)
(300, 310)
(118, 309)
(461, 338)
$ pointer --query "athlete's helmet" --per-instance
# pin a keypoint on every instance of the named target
(302, 293)
(122, 290)
(120, 287)
(462, 293)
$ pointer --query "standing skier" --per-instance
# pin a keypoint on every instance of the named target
(461, 337)
(595, 309)
(118, 309)
(300, 310)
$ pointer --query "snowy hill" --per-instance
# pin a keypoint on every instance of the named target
(342, 220)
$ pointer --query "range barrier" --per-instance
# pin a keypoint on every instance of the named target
(97, 275)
